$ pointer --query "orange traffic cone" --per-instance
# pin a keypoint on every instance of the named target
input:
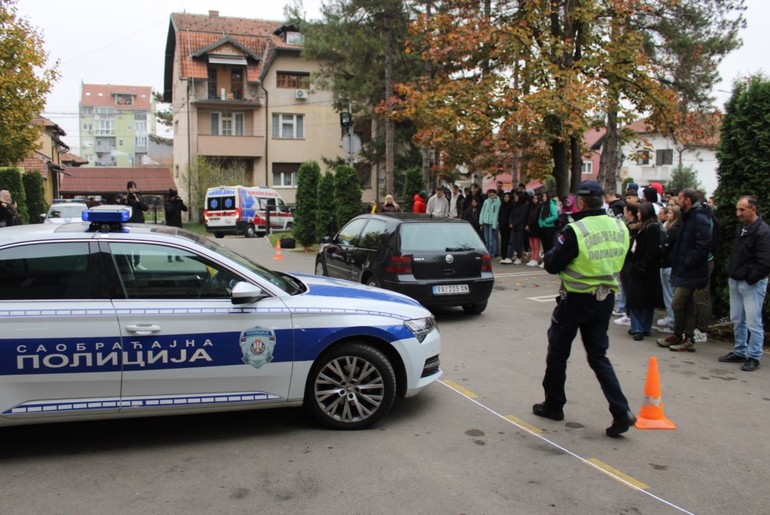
(278, 255)
(651, 415)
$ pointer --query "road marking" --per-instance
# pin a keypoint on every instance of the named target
(609, 471)
(526, 425)
(519, 274)
(459, 389)
(616, 474)
(543, 298)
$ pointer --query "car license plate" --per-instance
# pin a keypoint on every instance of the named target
(451, 289)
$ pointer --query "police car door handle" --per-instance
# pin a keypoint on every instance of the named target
(142, 329)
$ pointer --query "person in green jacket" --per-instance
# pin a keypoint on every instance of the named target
(548, 216)
(488, 219)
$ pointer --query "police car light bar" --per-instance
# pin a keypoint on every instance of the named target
(107, 214)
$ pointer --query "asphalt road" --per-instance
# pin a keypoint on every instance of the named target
(467, 445)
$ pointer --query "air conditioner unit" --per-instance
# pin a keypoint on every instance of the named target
(301, 94)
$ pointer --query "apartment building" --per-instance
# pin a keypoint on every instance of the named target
(115, 124)
(243, 97)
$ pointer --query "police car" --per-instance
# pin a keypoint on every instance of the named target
(107, 319)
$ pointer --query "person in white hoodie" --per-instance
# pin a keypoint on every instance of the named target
(438, 205)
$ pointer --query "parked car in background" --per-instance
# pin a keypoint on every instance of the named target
(436, 261)
(65, 212)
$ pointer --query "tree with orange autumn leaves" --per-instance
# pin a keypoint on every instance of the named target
(515, 84)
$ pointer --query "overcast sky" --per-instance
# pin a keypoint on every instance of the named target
(105, 42)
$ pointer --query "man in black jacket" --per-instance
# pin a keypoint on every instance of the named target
(747, 273)
(137, 206)
(689, 269)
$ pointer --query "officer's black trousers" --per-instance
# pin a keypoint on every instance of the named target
(591, 317)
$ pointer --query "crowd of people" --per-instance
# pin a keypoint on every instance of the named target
(668, 264)
(517, 226)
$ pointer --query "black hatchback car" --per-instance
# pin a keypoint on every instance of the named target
(436, 261)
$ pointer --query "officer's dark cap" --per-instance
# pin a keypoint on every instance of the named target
(130, 184)
(590, 189)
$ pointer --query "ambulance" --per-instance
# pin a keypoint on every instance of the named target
(243, 210)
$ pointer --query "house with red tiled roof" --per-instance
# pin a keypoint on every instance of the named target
(105, 182)
(243, 97)
(50, 157)
(652, 156)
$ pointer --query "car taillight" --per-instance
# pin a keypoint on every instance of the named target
(400, 265)
(486, 263)
(205, 216)
(237, 214)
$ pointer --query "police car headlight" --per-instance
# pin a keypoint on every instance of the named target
(421, 327)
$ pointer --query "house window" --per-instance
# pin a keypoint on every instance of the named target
(294, 38)
(104, 112)
(664, 157)
(140, 127)
(88, 127)
(140, 141)
(88, 110)
(104, 128)
(643, 157)
(288, 126)
(588, 167)
(212, 80)
(140, 116)
(227, 124)
(293, 80)
(285, 174)
(236, 83)
(124, 100)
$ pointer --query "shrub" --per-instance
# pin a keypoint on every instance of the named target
(347, 194)
(308, 176)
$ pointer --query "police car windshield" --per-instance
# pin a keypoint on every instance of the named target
(282, 281)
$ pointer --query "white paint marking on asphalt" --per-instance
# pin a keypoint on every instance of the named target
(519, 274)
(573, 454)
(544, 298)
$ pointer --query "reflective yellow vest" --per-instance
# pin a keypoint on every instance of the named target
(602, 246)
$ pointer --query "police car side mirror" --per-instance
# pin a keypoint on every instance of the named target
(246, 293)
(326, 239)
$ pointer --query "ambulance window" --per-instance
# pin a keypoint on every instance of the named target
(220, 203)
(158, 272)
(47, 271)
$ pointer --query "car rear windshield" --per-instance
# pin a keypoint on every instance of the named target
(439, 237)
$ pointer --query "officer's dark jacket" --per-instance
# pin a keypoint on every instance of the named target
(689, 257)
(750, 258)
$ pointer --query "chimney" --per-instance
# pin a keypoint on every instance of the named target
(213, 14)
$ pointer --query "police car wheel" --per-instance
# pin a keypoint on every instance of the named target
(320, 267)
(249, 232)
(475, 309)
(351, 387)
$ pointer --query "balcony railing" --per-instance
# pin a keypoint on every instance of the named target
(204, 91)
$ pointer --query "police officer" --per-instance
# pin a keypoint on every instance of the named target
(587, 256)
